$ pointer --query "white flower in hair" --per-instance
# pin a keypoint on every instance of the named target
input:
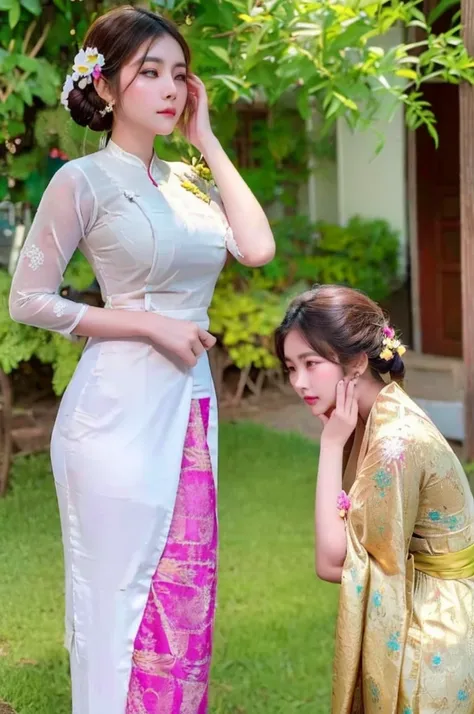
(82, 67)
(83, 82)
(68, 86)
(85, 62)
(87, 65)
(94, 57)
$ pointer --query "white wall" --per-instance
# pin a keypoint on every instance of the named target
(322, 188)
(374, 186)
(326, 200)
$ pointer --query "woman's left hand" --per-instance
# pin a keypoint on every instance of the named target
(197, 129)
(343, 420)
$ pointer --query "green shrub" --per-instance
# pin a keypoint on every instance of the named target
(245, 319)
(20, 343)
(364, 254)
(249, 304)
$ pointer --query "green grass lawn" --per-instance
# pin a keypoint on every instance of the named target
(275, 620)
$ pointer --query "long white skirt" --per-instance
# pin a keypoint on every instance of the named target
(116, 453)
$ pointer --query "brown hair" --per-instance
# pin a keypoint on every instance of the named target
(117, 35)
(340, 324)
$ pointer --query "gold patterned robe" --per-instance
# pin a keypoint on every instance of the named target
(405, 639)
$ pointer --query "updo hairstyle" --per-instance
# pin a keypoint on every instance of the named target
(117, 35)
(340, 324)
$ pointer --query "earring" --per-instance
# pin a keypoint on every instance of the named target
(109, 107)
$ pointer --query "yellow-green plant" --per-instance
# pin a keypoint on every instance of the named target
(245, 321)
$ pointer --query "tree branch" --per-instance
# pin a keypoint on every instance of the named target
(29, 32)
(4, 95)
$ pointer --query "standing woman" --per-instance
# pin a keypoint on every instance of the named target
(134, 445)
(401, 543)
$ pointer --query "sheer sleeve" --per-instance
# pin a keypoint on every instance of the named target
(64, 216)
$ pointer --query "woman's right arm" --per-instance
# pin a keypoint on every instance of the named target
(65, 215)
(181, 338)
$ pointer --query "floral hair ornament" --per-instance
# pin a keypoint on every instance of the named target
(87, 66)
(391, 345)
(343, 504)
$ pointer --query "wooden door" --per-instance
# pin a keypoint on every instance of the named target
(438, 215)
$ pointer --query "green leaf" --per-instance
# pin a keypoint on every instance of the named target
(247, 18)
(25, 93)
(303, 105)
(380, 144)
(346, 101)
(407, 73)
(418, 14)
(350, 37)
(33, 6)
(376, 52)
(442, 7)
(3, 187)
(255, 43)
(23, 164)
(221, 52)
(333, 108)
(234, 82)
(433, 133)
(8, 62)
(14, 106)
(14, 14)
(7, 4)
(15, 128)
(45, 91)
(28, 64)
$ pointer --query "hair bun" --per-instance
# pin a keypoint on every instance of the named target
(397, 366)
(85, 106)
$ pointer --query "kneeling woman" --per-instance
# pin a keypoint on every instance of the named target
(401, 542)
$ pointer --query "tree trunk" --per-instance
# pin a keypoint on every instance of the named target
(5, 430)
(467, 229)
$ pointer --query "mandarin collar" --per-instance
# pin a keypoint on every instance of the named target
(158, 169)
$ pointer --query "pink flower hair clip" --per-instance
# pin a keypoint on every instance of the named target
(343, 504)
(390, 344)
